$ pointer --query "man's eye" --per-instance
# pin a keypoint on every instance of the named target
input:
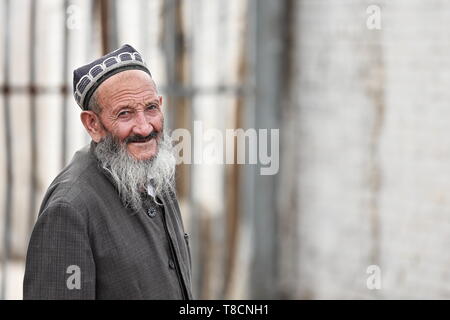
(123, 113)
(152, 107)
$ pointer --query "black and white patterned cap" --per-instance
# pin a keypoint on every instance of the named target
(87, 78)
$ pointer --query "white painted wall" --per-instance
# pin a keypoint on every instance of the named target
(339, 62)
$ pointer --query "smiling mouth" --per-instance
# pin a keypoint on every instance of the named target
(142, 142)
(141, 139)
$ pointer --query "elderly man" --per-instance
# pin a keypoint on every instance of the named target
(109, 226)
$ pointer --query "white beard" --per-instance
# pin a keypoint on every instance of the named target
(132, 176)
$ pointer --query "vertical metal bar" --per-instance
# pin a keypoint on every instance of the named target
(196, 282)
(180, 115)
(267, 54)
(103, 9)
(64, 90)
(89, 50)
(32, 119)
(247, 172)
(233, 192)
(170, 51)
(8, 154)
(108, 20)
(174, 39)
(287, 196)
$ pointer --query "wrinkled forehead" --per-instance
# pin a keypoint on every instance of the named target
(132, 86)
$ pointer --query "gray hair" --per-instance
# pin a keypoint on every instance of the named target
(93, 104)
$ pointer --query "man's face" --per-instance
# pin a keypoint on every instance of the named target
(131, 112)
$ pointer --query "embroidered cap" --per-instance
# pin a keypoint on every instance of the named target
(87, 78)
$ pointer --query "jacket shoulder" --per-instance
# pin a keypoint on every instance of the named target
(74, 183)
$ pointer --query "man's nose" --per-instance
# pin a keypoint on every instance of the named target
(142, 125)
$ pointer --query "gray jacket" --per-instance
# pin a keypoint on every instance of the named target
(87, 245)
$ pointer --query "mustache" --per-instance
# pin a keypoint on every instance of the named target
(139, 138)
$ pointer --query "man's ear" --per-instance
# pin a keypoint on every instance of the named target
(160, 102)
(94, 127)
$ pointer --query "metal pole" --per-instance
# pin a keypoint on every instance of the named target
(179, 114)
(193, 208)
(247, 173)
(287, 195)
(64, 88)
(8, 154)
(233, 192)
(108, 21)
(169, 46)
(32, 110)
(174, 40)
(267, 54)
